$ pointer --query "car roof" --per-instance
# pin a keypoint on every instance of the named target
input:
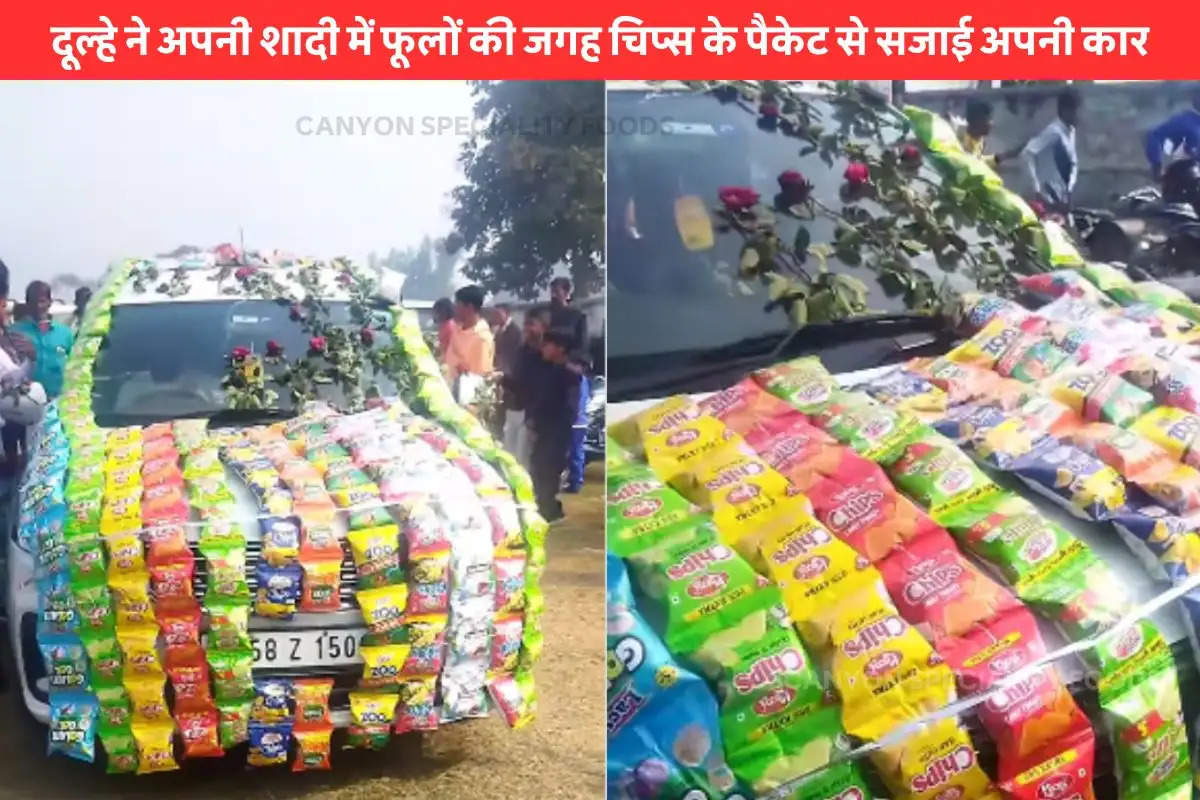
(203, 285)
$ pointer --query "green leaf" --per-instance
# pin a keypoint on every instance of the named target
(798, 314)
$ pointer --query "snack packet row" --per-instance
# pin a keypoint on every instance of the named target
(438, 401)
(664, 738)
(757, 514)
(961, 611)
(1032, 553)
(1105, 284)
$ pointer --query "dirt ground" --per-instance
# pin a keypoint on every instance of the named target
(560, 755)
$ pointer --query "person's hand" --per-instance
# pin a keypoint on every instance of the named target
(22, 346)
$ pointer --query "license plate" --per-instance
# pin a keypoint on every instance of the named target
(332, 648)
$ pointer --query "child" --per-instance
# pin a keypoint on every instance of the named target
(51, 340)
(551, 414)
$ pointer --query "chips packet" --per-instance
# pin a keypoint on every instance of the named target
(268, 743)
(803, 383)
(312, 701)
(936, 762)
(156, 752)
(73, 720)
(199, 729)
(1076, 481)
(313, 747)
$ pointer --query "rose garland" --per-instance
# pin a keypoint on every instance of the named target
(913, 214)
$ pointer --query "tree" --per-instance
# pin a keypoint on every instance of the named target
(429, 268)
(534, 196)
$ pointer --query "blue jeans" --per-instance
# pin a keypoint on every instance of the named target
(576, 460)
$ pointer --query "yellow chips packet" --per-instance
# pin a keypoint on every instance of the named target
(885, 671)
(155, 744)
(382, 665)
(936, 762)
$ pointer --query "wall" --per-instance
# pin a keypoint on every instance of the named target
(1110, 139)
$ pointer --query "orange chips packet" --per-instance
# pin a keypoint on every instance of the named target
(939, 591)
(746, 405)
(936, 762)
(796, 449)
(885, 671)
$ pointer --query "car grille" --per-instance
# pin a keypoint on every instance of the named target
(254, 553)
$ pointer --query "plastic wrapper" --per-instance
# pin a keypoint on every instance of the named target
(73, 720)
(642, 512)
(321, 587)
(1101, 397)
(884, 670)
(56, 606)
(429, 583)
(745, 405)
(978, 310)
(231, 673)
(376, 553)
(938, 761)
(1032, 358)
(269, 744)
(803, 383)
(199, 730)
(278, 591)
(383, 665)
(1051, 285)
(464, 690)
(188, 671)
(271, 701)
(795, 449)
(234, 722)
(873, 431)
(66, 662)
(859, 505)
(675, 713)
(906, 391)
(280, 540)
(383, 608)
(989, 345)
(313, 748)
(935, 473)
(938, 591)
(416, 709)
(104, 657)
(1080, 483)
(312, 701)
(120, 748)
(372, 714)
(155, 745)
(1174, 430)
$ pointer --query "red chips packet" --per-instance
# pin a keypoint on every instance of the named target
(859, 505)
(199, 730)
(796, 449)
(744, 405)
(938, 591)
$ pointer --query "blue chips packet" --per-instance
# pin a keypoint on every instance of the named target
(269, 744)
(664, 741)
(66, 661)
(73, 718)
(1078, 482)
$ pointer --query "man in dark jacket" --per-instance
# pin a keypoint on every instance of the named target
(567, 318)
(507, 334)
(551, 414)
(521, 383)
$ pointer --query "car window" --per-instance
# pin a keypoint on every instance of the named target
(670, 152)
(164, 360)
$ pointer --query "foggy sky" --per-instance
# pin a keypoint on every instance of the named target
(95, 171)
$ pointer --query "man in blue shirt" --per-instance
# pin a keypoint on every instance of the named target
(51, 340)
(1180, 133)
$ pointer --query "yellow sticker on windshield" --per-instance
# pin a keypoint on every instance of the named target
(693, 223)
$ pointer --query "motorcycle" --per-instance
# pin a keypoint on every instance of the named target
(593, 442)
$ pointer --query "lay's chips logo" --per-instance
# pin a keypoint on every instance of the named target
(708, 585)
(943, 769)
(698, 561)
(1129, 643)
(767, 669)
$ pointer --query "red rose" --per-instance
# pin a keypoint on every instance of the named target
(1038, 207)
(857, 174)
(274, 348)
(344, 278)
(737, 198)
(367, 336)
(317, 343)
(910, 154)
(296, 313)
(795, 187)
(239, 353)
(769, 108)
(244, 272)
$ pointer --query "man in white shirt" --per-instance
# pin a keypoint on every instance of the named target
(1050, 157)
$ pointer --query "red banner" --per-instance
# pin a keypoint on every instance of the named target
(651, 39)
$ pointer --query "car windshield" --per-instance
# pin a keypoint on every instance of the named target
(668, 155)
(165, 360)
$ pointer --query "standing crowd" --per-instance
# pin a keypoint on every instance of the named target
(33, 354)
(541, 369)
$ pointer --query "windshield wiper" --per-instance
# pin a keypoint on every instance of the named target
(246, 416)
(847, 340)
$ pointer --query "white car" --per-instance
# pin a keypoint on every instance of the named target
(164, 359)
